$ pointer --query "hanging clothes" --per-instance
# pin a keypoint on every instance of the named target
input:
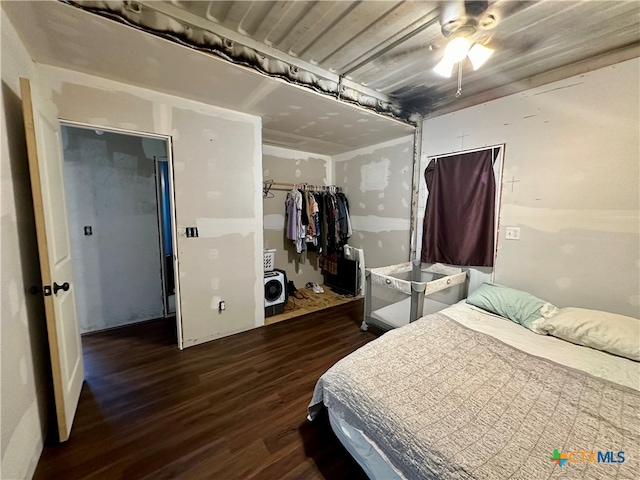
(293, 205)
(343, 217)
(318, 222)
(322, 223)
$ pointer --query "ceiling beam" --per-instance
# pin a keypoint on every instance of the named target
(171, 22)
(180, 14)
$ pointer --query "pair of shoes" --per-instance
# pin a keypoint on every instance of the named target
(299, 294)
(315, 287)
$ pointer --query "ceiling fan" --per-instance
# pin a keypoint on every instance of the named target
(462, 22)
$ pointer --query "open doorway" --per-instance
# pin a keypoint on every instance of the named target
(120, 214)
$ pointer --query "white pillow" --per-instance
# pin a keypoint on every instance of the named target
(605, 331)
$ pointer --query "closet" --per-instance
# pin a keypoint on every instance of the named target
(306, 223)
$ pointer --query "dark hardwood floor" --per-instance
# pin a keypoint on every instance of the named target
(228, 409)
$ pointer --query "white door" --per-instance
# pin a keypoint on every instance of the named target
(45, 167)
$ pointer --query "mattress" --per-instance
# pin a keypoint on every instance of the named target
(369, 451)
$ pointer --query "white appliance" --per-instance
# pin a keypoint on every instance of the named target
(275, 294)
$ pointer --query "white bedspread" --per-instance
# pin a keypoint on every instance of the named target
(601, 364)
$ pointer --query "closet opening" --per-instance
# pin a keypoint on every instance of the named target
(121, 217)
(305, 226)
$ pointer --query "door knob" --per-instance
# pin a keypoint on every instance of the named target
(56, 287)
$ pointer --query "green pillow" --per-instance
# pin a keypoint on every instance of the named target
(519, 307)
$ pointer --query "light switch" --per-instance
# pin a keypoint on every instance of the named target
(512, 233)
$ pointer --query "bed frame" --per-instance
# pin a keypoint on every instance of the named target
(411, 278)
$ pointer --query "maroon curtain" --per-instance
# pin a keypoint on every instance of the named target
(459, 220)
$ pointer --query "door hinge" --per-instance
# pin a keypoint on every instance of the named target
(46, 290)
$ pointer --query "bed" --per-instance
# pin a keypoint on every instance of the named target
(462, 394)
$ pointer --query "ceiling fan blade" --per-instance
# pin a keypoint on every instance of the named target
(478, 55)
(444, 68)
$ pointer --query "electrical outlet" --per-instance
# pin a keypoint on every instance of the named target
(512, 233)
(222, 306)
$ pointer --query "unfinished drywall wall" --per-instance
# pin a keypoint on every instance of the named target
(24, 350)
(570, 183)
(111, 188)
(377, 181)
(290, 166)
(217, 177)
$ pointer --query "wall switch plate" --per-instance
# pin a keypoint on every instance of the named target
(88, 230)
(512, 233)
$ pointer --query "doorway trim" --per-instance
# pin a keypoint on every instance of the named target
(174, 234)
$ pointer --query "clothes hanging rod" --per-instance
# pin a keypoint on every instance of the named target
(271, 185)
(300, 184)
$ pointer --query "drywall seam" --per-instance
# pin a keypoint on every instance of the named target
(372, 149)
(219, 227)
(330, 168)
(291, 154)
(273, 221)
(376, 224)
(556, 220)
(162, 117)
(62, 76)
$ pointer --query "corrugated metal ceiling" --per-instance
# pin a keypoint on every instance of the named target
(381, 53)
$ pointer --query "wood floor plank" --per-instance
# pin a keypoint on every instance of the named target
(233, 408)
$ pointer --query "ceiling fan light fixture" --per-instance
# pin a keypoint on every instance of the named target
(457, 49)
(478, 55)
(444, 68)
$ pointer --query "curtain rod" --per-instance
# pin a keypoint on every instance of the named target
(470, 150)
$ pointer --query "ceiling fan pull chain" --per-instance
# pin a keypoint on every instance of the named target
(459, 92)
